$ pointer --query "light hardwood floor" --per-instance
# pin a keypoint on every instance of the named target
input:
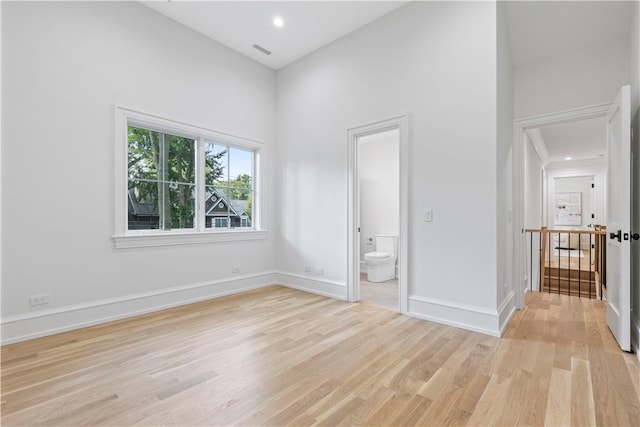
(277, 356)
(383, 294)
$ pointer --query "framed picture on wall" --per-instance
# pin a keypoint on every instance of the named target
(567, 208)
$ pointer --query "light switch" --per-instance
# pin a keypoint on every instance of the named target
(428, 215)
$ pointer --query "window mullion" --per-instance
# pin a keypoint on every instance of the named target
(200, 187)
(228, 187)
(163, 180)
(255, 193)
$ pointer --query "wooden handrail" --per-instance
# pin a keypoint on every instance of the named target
(544, 230)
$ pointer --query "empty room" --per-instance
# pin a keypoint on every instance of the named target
(222, 237)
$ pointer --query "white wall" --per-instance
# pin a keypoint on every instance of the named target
(65, 66)
(584, 78)
(533, 193)
(379, 173)
(416, 60)
(504, 167)
(634, 45)
(533, 186)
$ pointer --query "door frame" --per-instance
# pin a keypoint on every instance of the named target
(353, 206)
(520, 279)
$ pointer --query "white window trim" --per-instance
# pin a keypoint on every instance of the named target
(125, 238)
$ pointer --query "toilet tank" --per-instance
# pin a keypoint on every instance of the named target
(387, 243)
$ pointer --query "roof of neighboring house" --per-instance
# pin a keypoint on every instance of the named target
(213, 201)
(240, 206)
(236, 207)
(141, 208)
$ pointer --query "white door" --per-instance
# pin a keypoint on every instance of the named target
(619, 219)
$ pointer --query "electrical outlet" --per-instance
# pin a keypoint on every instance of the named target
(307, 269)
(235, 269)
(39, 299)
(318, 271)
(428, 215)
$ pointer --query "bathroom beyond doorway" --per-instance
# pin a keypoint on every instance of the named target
(384, 294)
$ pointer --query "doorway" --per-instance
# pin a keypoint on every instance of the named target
(377, 213)
(531, 216)
(564, 228)
(378, 158)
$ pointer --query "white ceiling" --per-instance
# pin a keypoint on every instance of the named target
(538, 29)
(584, 139)
(309, 25)
(546, 29)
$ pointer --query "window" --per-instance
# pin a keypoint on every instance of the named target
(220, 222)
(179, 183)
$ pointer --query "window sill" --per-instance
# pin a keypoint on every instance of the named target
(185, 238)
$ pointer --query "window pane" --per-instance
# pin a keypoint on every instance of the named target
(144, 150)
(182, 205)
(240, 165)
(226, 202)
(216, 163)
(143, 205)
(217, 207)
(161, 172)
(158, 205)
(181, 160)
(241, 184)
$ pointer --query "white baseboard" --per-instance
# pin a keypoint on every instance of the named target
(312, 284)
(635, 336)
(27, 326)
(464, 316)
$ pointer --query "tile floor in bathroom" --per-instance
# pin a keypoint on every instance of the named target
(383, 294)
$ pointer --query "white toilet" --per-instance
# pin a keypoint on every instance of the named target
(381, 265)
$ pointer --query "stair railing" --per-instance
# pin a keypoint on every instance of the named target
(561, 268)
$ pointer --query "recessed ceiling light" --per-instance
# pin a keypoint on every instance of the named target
(568, 158)
(278, 22)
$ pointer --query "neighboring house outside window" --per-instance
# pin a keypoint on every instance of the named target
(183, 179)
